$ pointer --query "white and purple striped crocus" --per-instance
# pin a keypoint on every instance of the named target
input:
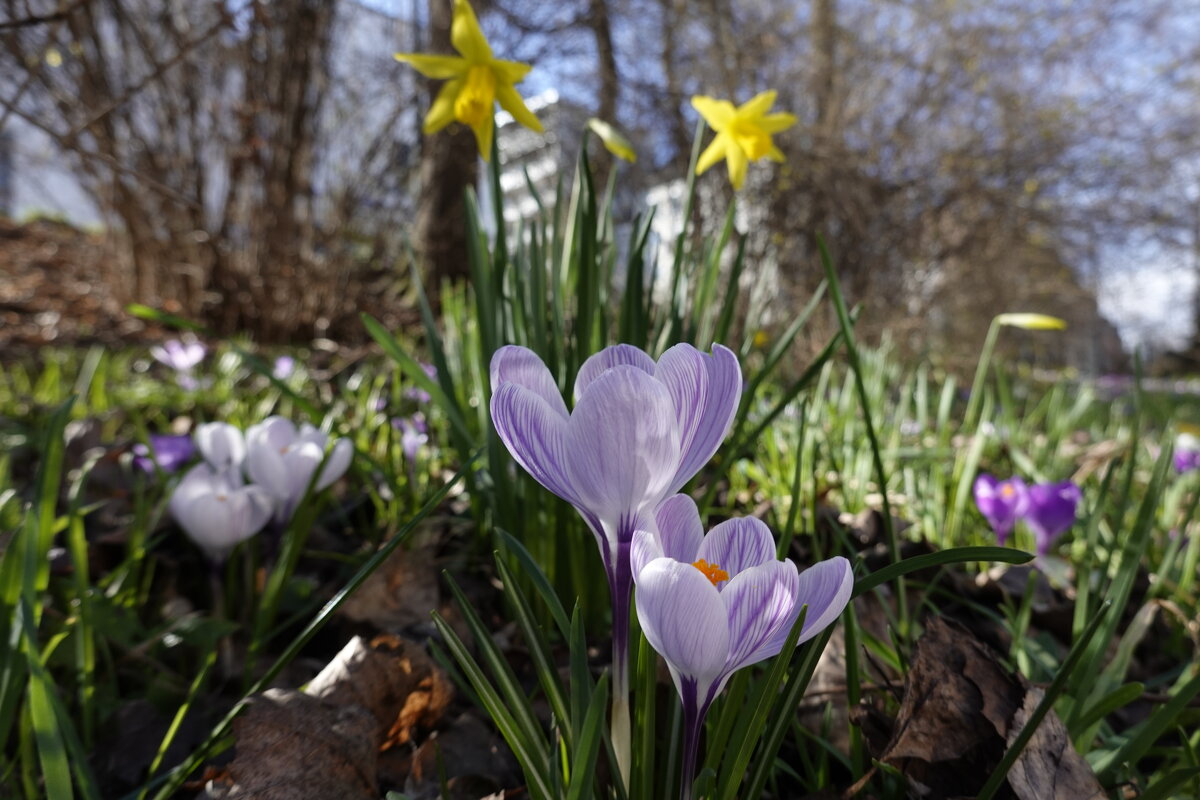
(1051, 512)
(181, 357)
(712, 604)
(1002, 503)
(638, 432)
(220, 444)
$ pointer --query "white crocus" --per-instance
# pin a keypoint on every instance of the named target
(221, 444)
(282, 459)
(217, 510)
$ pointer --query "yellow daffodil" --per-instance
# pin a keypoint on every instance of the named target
(743, 133)
(613, 141)
(475, 81)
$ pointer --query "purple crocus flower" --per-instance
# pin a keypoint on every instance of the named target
(413, 434)
(179, 356)
(712, 604)
(168, 451)
(416, 392)
(639, 431)
(1002, 503)
(216, 509)
(1051, 511)
(283, 368)
(1187, 453)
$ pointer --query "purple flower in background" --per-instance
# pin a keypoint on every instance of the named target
(414, 434)
(284, 366)
(178, 355)
(168, 451)
(1002, 503)
(282, 459)
(217, 510)
(416, 392)
(1187, 453)
(712, 604)
(1051, 511)
(639, 431)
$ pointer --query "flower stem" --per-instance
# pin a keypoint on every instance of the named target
(621, 585)
(693, 721)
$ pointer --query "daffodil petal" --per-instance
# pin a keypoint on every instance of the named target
(483, 135)
(736, 158)
(712, 154)
(758, 105)
(510, 100)
(774, 123)
(510, 71)
(466, 35)
(775, 154)
(439, 67)
(717, 113)
(441, 113)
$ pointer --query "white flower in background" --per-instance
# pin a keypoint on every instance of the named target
(217, 510)
(282, 460)
(221, 444)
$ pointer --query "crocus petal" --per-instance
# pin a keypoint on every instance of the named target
(608, 358)
(466, 35)
(1051, 511)
(706, 391)
(441, 112)
(622, 444)
(207, 521)
(220, 444)
(336, 463)
(717, 113)
(510, 100)
(825, 588)
(520, 365)
(737, 161)
(680, 530)
(535, 435)
(646, 547)
(684, 618)
(759, 601)
(738, 544)
(265, 466)
(712, 154)
(437, 67)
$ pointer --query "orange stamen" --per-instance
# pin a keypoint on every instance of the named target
(711, 571)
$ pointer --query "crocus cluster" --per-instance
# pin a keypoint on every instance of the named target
(639, 431)
(216, 506)
(1048, 509)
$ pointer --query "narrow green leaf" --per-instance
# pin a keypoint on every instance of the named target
(954, 555)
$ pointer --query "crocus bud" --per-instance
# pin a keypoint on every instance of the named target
(1051, 511)
(217, 511)
(169, 452)
(282, 460)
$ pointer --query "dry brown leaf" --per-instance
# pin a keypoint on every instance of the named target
(1049, 768)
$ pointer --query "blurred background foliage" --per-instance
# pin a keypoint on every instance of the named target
(258, 166)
